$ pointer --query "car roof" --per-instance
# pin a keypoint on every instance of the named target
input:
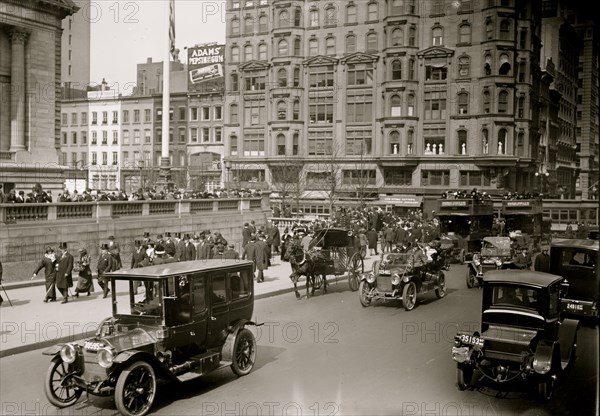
(525, 277)
(576, 243)
(161, 271)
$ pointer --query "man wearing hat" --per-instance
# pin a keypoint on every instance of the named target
(105, 265)
(115, 251)
(48, 263)
(169, 244)
(542, 261)
(523, 259)
(64, 269)
(185, 250)
(139, 254)
(85, 283)
(246, 234)
(231, 253)
(161, 256)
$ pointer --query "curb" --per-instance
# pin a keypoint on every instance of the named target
(48, 343)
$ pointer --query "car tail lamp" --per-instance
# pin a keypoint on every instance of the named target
(105, 357)
(395, 279)
(68, 353)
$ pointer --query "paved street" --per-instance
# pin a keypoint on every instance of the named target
(328, 355)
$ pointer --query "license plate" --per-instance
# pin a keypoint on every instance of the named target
(471, 340)
(574, 307)
(93, 346)
(384, 272)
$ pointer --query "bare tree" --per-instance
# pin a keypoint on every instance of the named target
(364, 179)
(285, 179)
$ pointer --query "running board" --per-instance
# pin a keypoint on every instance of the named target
(199, 365)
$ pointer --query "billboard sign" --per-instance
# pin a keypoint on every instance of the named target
(205, 63)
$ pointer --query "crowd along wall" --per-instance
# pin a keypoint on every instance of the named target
(25, 229)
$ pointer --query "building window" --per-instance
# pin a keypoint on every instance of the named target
(194, 134)
(398, 177)
(435, 105)
(147, 136)
(320, 143)
(434, 140)
(411, 69)
(115, 117)
(474, 178)
(262, 52)
(205, 113)
(248, 53)
(105, 158)
(360, 74)
(296, 110)
(522, 71)
(235, 26)
(74, 138)
(297, 17)
(147, 115)
(505, 30)
(437, 72)
(462, 143)
(105, 117)
(182, 138)
(254, 145)
(115, 158)
(233, 145)
(502, 137)
(194, 114)
(255, 82)
(464, 33)
(115, 135)
(372, 12)
(487, 64)
(104, 137)
(218, 135)
(351, 14)
(125, 158)
(171, 138)
(320, 109)
(297, 47)
(296, 77)
(282, 48)
(263, 23)
(487, 102)
(94, 137)
(295, 144)
(435, 178)
(255, 112)
(65, 118)
(313, 47)
(159, 137)
(520, 145)
(248, 25)
(463, 103)
(397, 37)
(205, 134)
(503, 102)
(437, 36)
(330, 46)
(396, 106)
(394, 143)
(371, 42)
(233, 113)
(397, 69)
(65, 139)
(321, 76)
(521, 107)
(281, 110)
(283, 18)
(330, 15)
(84, 137)
(504, 65)
(313, 17)
(280, 145)
(234, 82)
(359, 108)
(358, 178)
(489, 29)
(73, 119)
(464, 66)
(218, 112)
(235, 54)
(84, 119)
(358, 142)
(350, 44)
(410, 142)
(412, 36)
(136, 116)
(411, 105)
(94, 158)
(523, 38)
(136, 137)
(94, 117)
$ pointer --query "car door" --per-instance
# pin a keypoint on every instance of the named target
(199, 309)
(218, 306)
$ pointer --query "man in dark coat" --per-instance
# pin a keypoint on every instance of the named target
(523, 259)
(273, 236)
(138, 259)
(260, 258)
(48, 263)
(542, 261)
(64, 269)
(231, 253)
(105, 265)
(115, 251)
(372, 239)
(246, 234)
(185, 250)
(170, 247)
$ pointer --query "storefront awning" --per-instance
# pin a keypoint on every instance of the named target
(408, 201)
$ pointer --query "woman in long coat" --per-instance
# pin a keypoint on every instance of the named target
(48, 263)
(85, 282)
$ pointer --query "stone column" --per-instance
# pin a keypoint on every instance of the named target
(18, 37)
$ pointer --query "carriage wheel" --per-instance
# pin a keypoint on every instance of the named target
(318, 281)
(355, 268)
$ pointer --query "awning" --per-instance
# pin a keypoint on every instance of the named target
(408, 201)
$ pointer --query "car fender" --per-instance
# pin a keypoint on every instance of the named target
(566, 336)
(471, 266)
(53, 350)
(125, 357)
(544, 354)
(227, 349)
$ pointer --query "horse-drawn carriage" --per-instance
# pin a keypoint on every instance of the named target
(332, 251)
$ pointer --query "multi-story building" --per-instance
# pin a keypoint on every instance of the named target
(30, 74)
(76, 52)
(104, 138)
(74, 142)
(408, 97)
(149, 76)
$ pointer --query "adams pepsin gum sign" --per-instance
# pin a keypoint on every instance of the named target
(205, 63)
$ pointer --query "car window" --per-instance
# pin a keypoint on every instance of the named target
(240, 284)
(198, 294)
(578, 258)
(515, 296)
(553, 300)
(218, 294)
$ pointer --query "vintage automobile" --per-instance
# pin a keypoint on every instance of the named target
(399, 276)
(495, 254)
(522, 333)
(191, 320)
(576, 261)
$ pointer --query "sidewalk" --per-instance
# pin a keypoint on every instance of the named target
(32, 324)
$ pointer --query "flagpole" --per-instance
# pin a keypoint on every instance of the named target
(165, 167)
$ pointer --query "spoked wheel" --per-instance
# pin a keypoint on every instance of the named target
(471, 278)
(318, 281)
(244, 352)
(464, 376)
(461, 256)
(409, 296)
(60, 386)
(355, 268)
(136, 389)
(544, 388)
(363, 293)
(440, 292)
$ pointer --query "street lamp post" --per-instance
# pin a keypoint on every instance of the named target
(543, 176)
(227, 179)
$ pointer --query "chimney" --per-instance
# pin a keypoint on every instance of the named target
(104, 85)
(149, 60)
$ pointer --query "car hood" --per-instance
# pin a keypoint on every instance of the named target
(124, 339)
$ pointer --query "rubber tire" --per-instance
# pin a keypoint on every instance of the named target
(50, 395)
(441, 292)
(461, 256)
(364, 301)
(122, 383)
(356, 262)
(243, 334)
(464, 376)
(409, 287)
(471, 281)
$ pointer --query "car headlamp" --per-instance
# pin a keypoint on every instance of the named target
(105, 357)
(68, 353)
(370, 278)
(395, 279)
(498, 262)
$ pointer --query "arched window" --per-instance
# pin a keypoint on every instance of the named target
(330, 15)
(313, 47)
(487, 64)
(372, 42)
(437, 36)
(282, 77)
(410, 104)
(503, 101)
(281, 145)
(248, 52)
(296, 77)
(504, 29)
(330, 46)
(297, 17)
(462, 143)
(233, 113)
(282, 48)
(235, 26)
(351, 14)
(412, 36)
(396, 106)
(394, 143)
(234, 82)
(410, 137)
(281, 110)
(263, 23)
(235, 54)
(397, 37)
(502, 138)
(248, 25)
(313, 16)
(489, 29)
(464, 33)
(350, 44)
(283, 18)
(463, 103)
(233, 145)
(297, 47)
(485, 142)
(262, 51)
(487, 104)
(504, 65)
(372, 10)
(296, 110)
(397, 69)
(464, 66)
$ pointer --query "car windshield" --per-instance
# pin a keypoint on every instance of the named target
(396, 259)
(144, 300)
(509, 295)
(495, 246)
